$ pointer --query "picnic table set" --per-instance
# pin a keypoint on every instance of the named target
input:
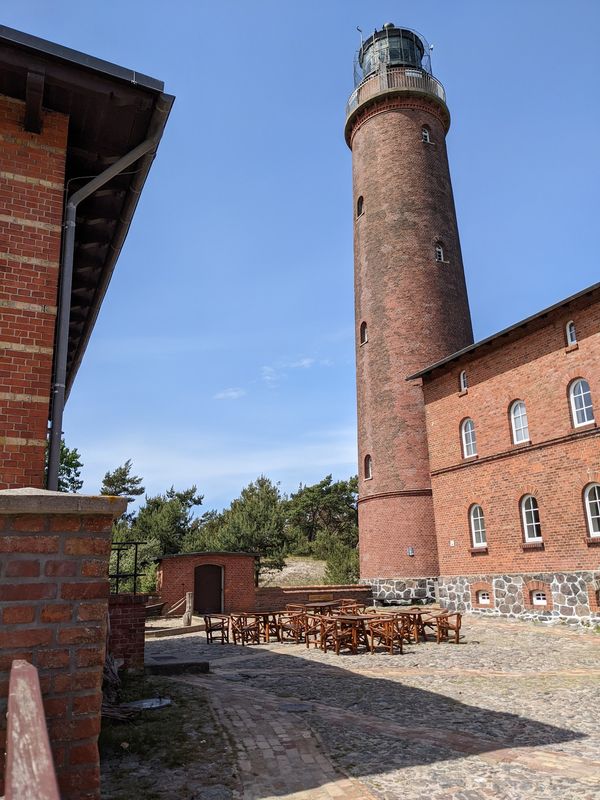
(336, 625)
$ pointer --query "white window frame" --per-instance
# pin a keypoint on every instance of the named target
(587, 408)
(368, 467)
(520, 431)
(439, 253)
(529, 525)
(425, 134)
(592, 508)
(477, 523)
(539, 598)
(469, 438)
(363, 328)
(480, 597)
(571, 333)
(463, 381)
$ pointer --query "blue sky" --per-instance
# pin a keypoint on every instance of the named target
(225, 345)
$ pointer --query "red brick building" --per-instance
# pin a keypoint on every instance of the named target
(479, 464)
(64, 116)
(221, 582)
(514, 453)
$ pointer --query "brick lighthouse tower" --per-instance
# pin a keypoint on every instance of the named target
(410, 294)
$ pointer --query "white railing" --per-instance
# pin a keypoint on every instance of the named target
(390, 78)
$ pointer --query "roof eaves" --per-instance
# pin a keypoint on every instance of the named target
(38, 45)
(505, 332)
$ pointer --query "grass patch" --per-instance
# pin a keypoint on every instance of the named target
(171, 752)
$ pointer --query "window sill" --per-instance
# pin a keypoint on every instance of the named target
(570, 348)
(358, 216)
(518, 445)
(471, 458)
(592, 541)
(367, 479)
(585, 426)
(478, 551)
(463, 392)
(362, 344)
(532, 545)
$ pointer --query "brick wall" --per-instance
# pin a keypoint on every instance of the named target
(54, 552)
(416, 311)
(175, 577)
(127, 622)
(275, 598)
(537, 367)
(31, 199)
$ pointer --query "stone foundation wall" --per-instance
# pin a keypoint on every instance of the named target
(570, 596)
(403, 590)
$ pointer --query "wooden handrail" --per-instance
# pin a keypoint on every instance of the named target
(29, 766)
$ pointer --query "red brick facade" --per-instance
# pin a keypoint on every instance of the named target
(53, 600)
(175, 577)
(554, 466)
(31, 200)
(407, 208)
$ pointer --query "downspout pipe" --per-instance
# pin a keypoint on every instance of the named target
(64, 300)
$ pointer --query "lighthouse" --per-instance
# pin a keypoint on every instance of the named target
(411, 302)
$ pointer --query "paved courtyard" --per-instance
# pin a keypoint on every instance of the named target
(510, 713)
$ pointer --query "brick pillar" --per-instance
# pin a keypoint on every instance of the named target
(54, 554)
(32, 170)
(127, 628)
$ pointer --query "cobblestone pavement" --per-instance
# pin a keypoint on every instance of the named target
(510, 713)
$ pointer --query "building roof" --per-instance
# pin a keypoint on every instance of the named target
(510, 333)
(208, 553)
(111, 110)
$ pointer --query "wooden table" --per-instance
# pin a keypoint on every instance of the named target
(321, 607)
(357, 624)
(267, 620)
(415, 617)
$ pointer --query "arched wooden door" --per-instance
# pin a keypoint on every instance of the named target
(208, 589)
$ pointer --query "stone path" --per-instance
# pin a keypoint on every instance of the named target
(512, 713)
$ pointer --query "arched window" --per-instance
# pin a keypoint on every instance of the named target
(439, 252)
(518, 420)
(469, 441)
(478, 536)
(581, 402)
(530, 513)
(368, 468)
(360, 206)
(571, 333)
(426, 134)
(592, 508)
(364, 334)
(462, 381)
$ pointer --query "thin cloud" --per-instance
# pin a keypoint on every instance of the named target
(221, 467)
(269, 376)
(272, 375)
(303, 363)
(233, 393)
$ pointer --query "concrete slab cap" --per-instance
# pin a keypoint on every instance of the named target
(41, 501)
